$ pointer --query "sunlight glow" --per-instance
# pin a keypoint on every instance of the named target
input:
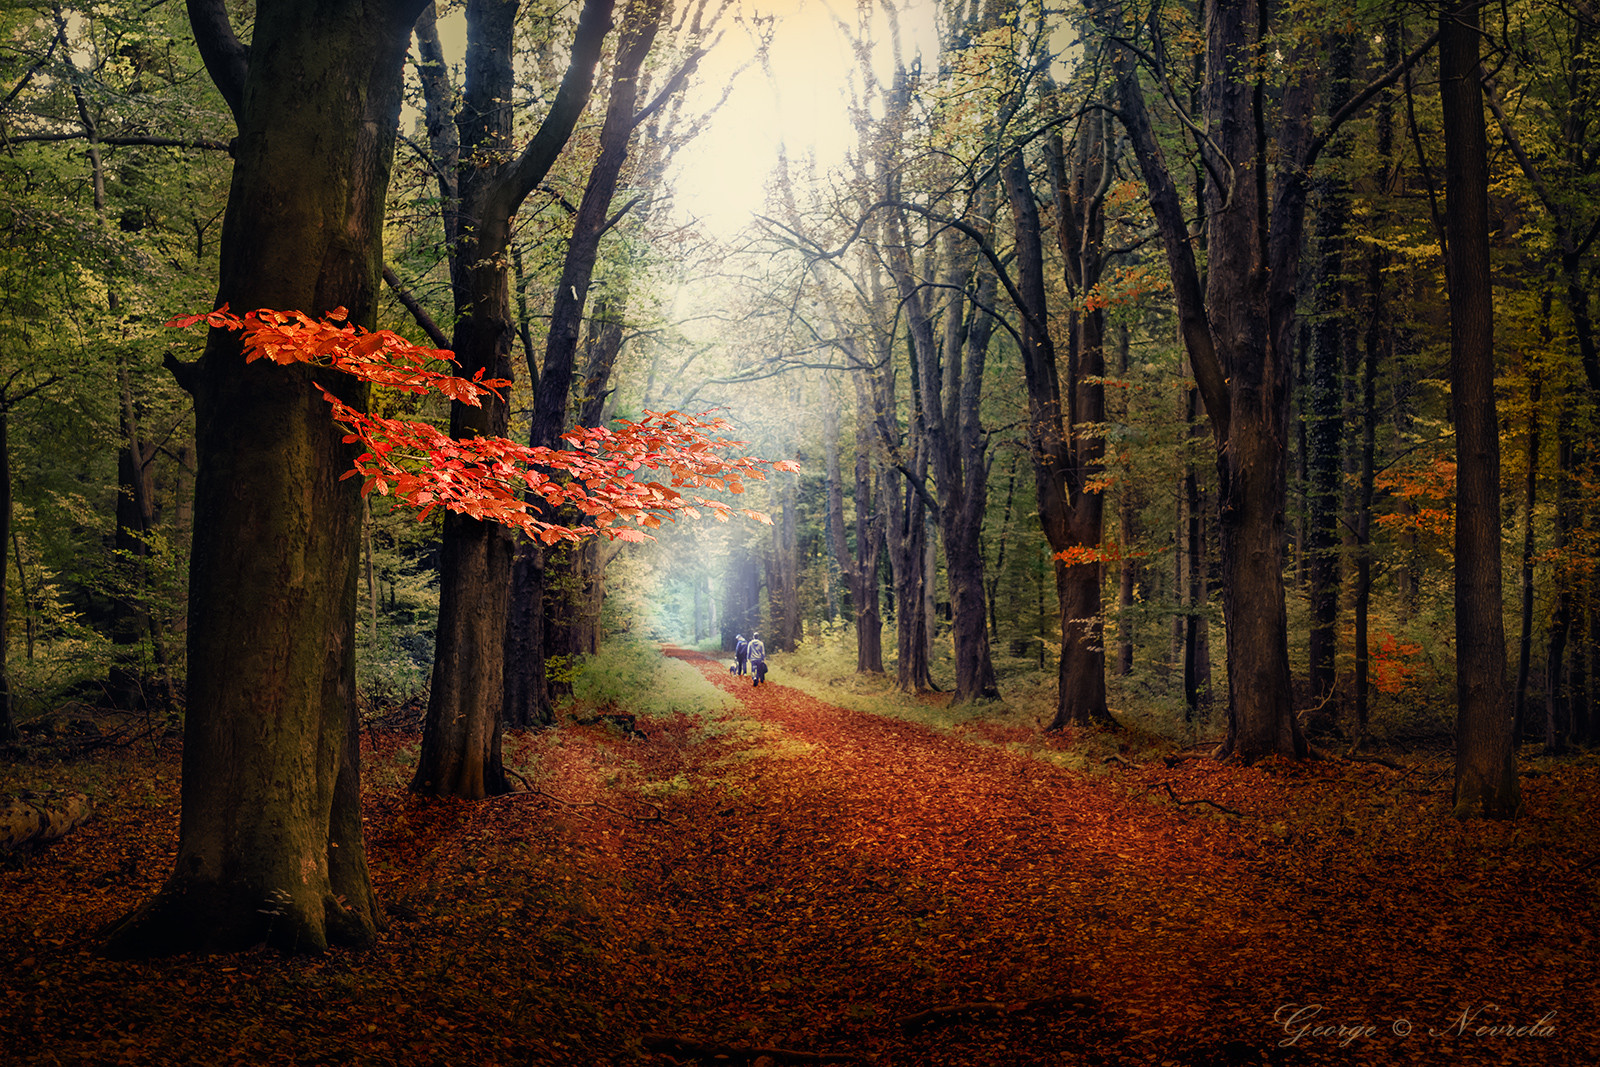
(722, 178)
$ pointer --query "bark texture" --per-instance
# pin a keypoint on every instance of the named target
(1237, 329)
(1486, 772)
(461, 732)
(270, 844)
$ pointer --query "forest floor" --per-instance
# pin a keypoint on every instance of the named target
(794, 877)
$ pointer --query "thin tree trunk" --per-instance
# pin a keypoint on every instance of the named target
(949, 378)
(8, 724)
(1127, 533)
(526, 697)
(1066, 459)
(1530, 494)
(1566, 577)
(461, 732)
(1324, 457)
(1486, 774)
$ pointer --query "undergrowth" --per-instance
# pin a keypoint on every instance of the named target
(824, 668)
(634, 676)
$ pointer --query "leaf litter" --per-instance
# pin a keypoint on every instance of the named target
(804, 883)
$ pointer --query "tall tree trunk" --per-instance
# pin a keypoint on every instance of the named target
(1486, 773)
(8, 724)
(949, 376)
(1239, 339)
(1558, 690)
(1128, 568)
(1378, 345)
(1065, 457)
(269, 841)
(461, 732)
(1325, 415)
(1530, 493)
(906, 536)
(783, 585)
(579, 611)
(526, 697)
(860, 571)
(1197, 696)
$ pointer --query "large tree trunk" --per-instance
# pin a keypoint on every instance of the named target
(1237, 336)
(270, 844)
(1486, 772)
(461, 732)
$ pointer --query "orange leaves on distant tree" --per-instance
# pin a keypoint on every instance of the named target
(1387, 659)
(494, 478)
(1124, 285)
(1078, 555)
(1431, 492)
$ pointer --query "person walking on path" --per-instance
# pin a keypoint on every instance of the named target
(758, 658)
(740, 651)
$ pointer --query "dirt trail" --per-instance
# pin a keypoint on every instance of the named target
(794, 875)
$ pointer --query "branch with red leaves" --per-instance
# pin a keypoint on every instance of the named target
(493, 478)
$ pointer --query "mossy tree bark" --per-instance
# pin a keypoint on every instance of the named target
(270, 846)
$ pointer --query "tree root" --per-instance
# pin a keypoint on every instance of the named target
(980, 1009)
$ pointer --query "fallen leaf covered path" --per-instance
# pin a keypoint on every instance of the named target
(789, 881)
(1201, 939)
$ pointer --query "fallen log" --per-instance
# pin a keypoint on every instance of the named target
(980, 1009)
(38, 818)
(682, 1046)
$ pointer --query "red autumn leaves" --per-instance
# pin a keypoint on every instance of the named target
(493, 478)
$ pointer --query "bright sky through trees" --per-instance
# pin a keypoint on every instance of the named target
(722, 178)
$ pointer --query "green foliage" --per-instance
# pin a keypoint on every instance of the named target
(629, 675)
(393, 667)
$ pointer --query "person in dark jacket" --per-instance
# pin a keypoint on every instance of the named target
(757, 652)
(740, 650)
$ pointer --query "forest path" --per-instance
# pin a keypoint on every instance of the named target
(837, 872)
(789, 874)
(1006, 879)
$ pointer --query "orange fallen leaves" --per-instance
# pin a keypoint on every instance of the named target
(826, 874)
